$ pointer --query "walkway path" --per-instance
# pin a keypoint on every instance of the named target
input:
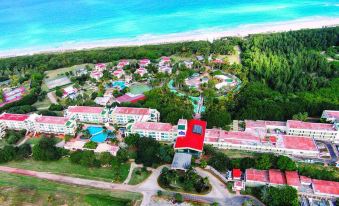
(148, 188)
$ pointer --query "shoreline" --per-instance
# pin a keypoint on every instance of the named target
(206, 34)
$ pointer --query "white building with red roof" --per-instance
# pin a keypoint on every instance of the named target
(144, 62)
(325, 188)
(292, 179)
(95, 74)
(124, 115)
(100, 67)
(331, 116)
(14, 121)
(165, 61)
(88, 114)
(271, 143)
(192, 141)
(165, 69)
(51, 124)
(141, 71)
(319, 131)
(119, 73)
(122, 63)
(156, 130)
(255, 177)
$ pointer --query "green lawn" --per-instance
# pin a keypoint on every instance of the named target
(138, 176)
(42, 105)
(65, 167)
(24, 190)
(237, 153)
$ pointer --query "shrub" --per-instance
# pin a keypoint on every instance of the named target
(45, 150)
(91, 145)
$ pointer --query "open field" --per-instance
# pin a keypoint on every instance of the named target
(235, 58)
(138, 176)
(42, 105)
(237, 153)
(65, 167)
(23, 190)
(51, 74)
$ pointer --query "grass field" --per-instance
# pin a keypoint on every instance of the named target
(42, 105)
(138, 176)
(51, 74)
(23, 190)
(237, 153)
(65, 167)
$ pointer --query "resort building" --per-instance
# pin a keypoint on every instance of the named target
(70, 92)
(165, 69)
(156, 130)
(130, 98)
(124, 115)
(14, 121)
(122, 63)
(188, 64)
(319, 131)
(192, 142)
(304, 185)
(165, 61)
(118, 73)
(88, 114)
(271, 143)
(38, 123)
(12, 95)
(331, 116)
(144, 63)
(103, 101)
(51, 124)
(100, 67)
(96, 74)
(141, 71)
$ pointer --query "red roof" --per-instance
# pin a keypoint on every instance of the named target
(52, 120)
(14, 117)
(154, 126)
(292, 178)
(85, 109)
(325, 187)
(192, 140)
(294, 124)
(128, 98)
(276, 177)
(131, 110)
(299, 142)
(304, 179)
(257, 175)
(236, 173)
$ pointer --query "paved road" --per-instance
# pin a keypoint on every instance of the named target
(148, 188)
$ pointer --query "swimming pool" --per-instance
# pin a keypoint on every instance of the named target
(97, 134)
(118, 84)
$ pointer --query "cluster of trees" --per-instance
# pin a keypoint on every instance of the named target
(257, 101)
(274, 196)
(291, 61)
(24, 109)
(171, 106)
(149, 151)
(9, 152)
(222, 162)
(45, 150)
(190, 181)
(316, 172)
(12, 137)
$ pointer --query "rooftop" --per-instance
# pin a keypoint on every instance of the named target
(195, 136)
(131, 110)
(52, 120)
(85, 109)
(257, 175)
(130, 98)
(214, 135)
(181, 161)
(292, 178)
(304, 179)
(14, 117)
(309, 126)
(299, 142)
(262, 123)
(236, 173)
(154, 126)
(325, 187)
(331, 114)
(276, 177)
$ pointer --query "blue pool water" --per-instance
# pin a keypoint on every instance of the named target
(97, 134)
(120, 84)
(41, 23)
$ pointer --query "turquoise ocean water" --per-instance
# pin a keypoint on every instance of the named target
(41, 23)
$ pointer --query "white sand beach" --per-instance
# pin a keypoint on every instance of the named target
(208, 34)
